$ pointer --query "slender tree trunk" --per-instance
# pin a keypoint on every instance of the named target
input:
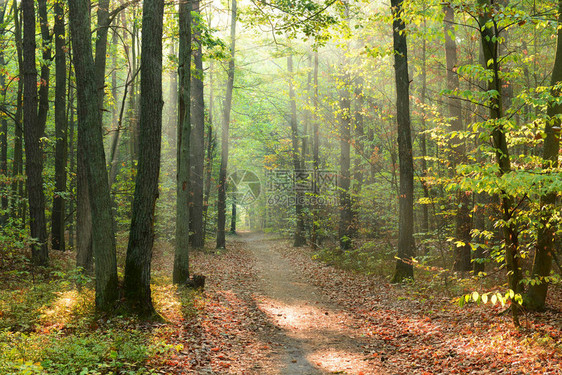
(61, 147)
(72, 171)
(542, 264)
(17, 208)
(406, 245)
(221, 206)
(116, 121)
(90, 132)
(299, 239)
(344, 180)
(3, 126)
(84, 214)
(233, 218)
(211, 146)
(197, 132)
(463, 221)
(141, 235)
(132, 111)
(181, 256)
(173, 108)
(489, 38)
(34, 131)
(43, 108)
(423, 140)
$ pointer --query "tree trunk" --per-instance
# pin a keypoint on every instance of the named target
(489, 38)
(542, 263)
(103, 238)
(72, 165)
(173, 108)
(61, 147)
(299, 239)
(344, 180)
(423, 141)
(141, 235)
(17, 209)
(211, 146)
(116, 122)
(72, 171)
(181, 256)
(34, 131)
(3, 126)
(133, 110)
(221, 205)
(406, 245)
(233, 218)
(84, 251)
(197, 133)
(463, 222)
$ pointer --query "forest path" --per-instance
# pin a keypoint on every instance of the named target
(269, 309)
(314, 336)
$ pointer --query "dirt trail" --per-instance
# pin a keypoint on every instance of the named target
(269, 309)
(314, 336)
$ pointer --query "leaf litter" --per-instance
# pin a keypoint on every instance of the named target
(268, 308)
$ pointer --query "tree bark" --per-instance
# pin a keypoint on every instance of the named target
(61, 147)
(103, 238)
(197, 132)
(542, 263)
(489, 38)
(3, 126)
(423, 140)
(181, 256)
(406, 244)
(211, 146)
(17, 209)
(233, 218)
(141, 234)
(221, 204)
(33, 132)
(84, 251)
(72, 171)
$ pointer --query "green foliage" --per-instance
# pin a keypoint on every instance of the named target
(371, 258)
(48, 326)
(492, 297)
(114, 350)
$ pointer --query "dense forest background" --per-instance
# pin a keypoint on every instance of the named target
(413, 140)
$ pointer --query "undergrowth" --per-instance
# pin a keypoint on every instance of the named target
(430, 276)
(48, 323)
